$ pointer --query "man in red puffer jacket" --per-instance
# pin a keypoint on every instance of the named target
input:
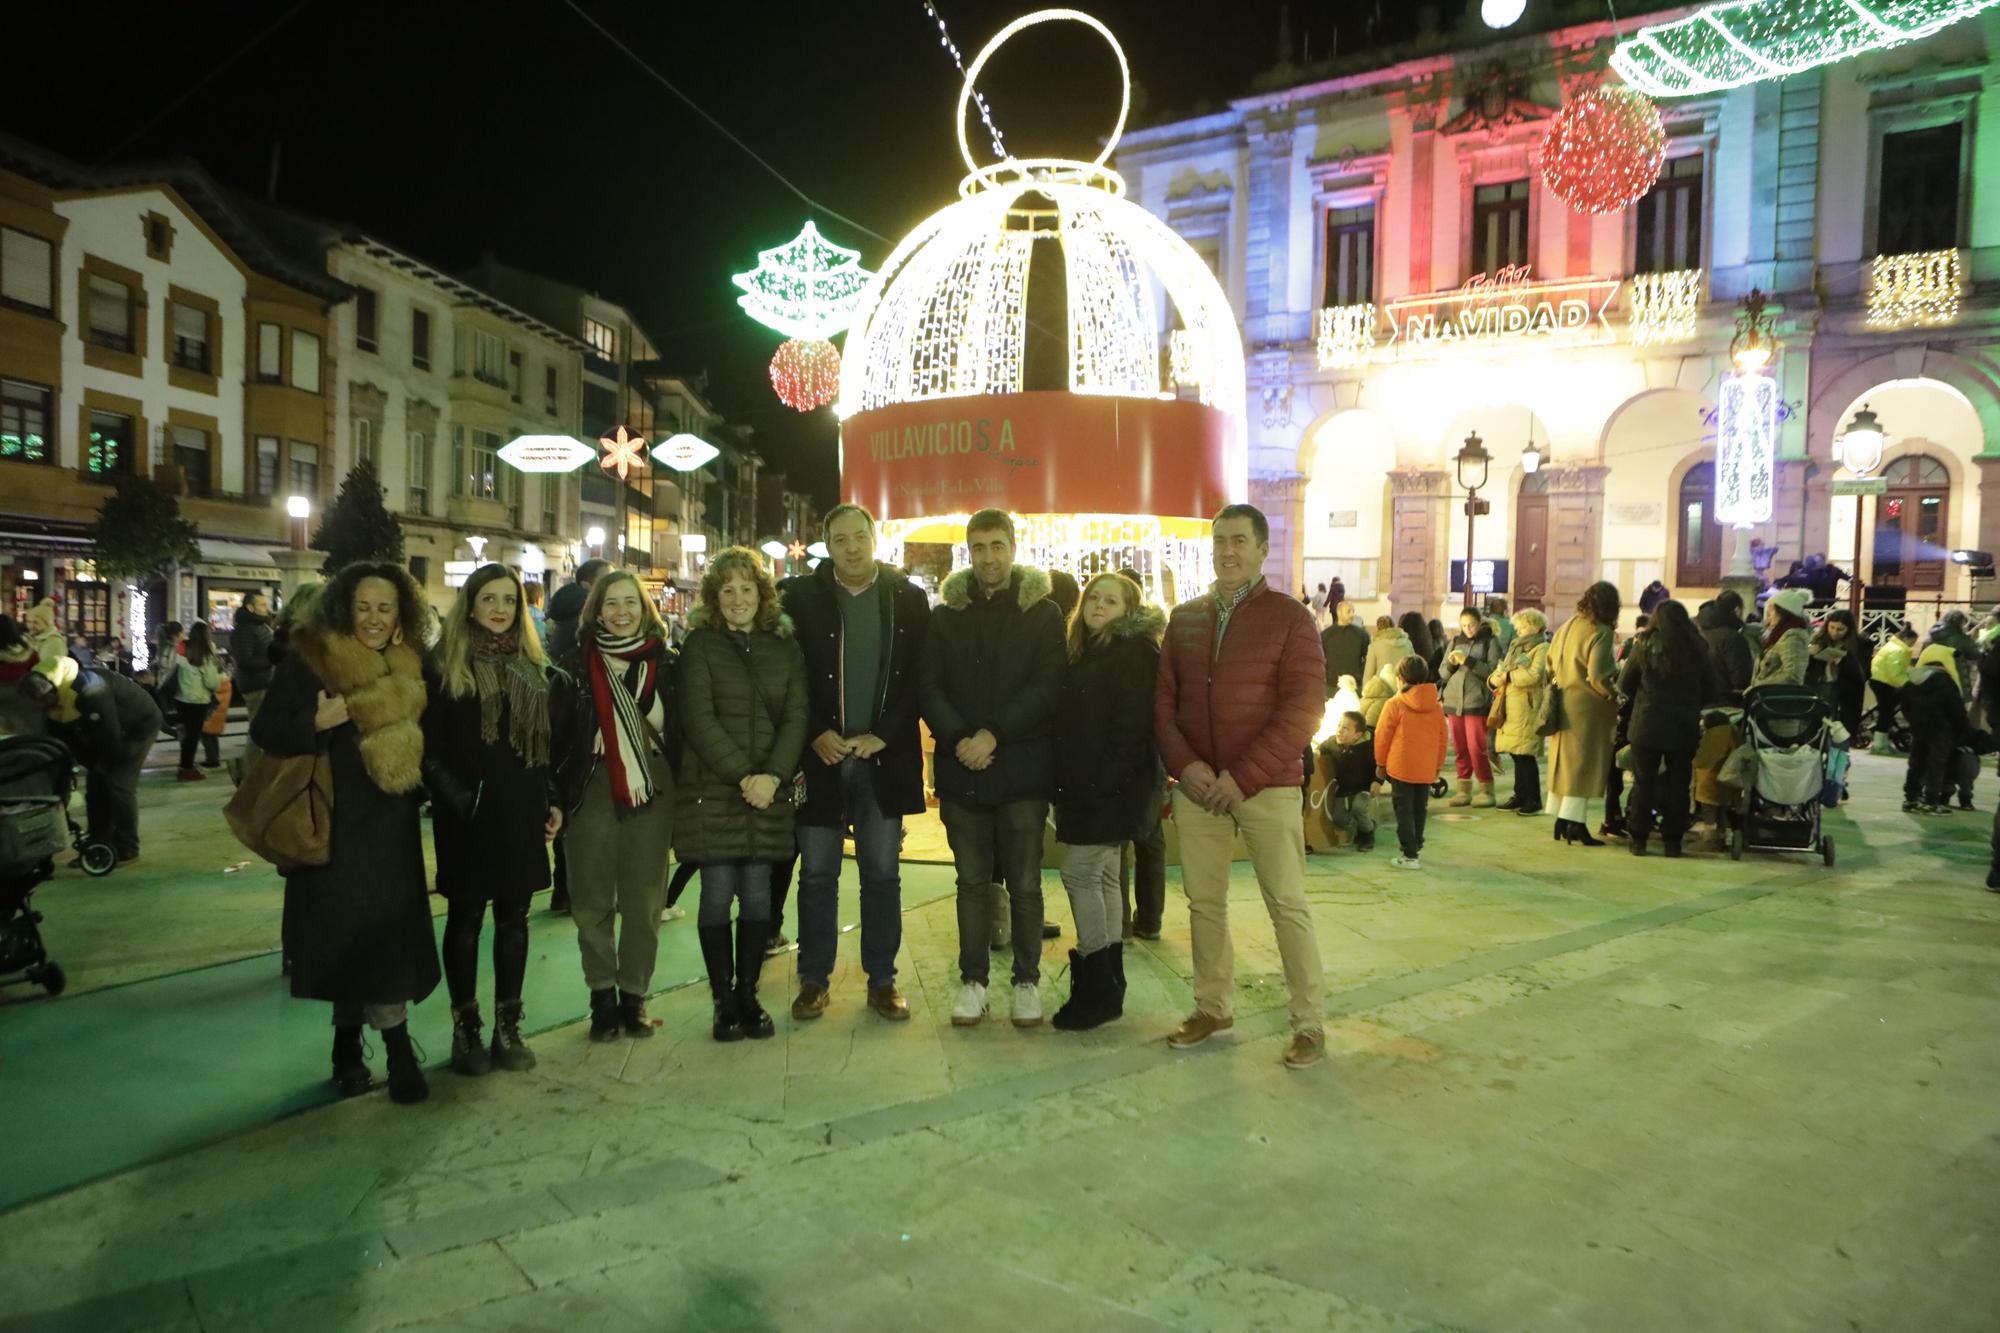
(1240, 692)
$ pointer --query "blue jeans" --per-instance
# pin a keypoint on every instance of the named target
(878, 843)
(748, 883)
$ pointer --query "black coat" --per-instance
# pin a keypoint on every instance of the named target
(575, 753)
(1844, 689)
(1728, 652)
(1666, 706)
(565, 606)
(743, 712)
(1353, 766)
(1346, 650)
(995, 663)
(115, 713)
(1934, 705)
(813, 602)
(1109, 787)
(488, 806)
(250, 652)
(357, 929)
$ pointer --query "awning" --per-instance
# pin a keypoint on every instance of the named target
(221, 559)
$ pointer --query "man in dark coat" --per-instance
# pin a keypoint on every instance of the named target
(250, 667)
(1346, 647)
(1721, 625)
(564, 610)
(117, 723)
(992, 670)
(861, 624)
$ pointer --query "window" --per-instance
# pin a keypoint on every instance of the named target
(509, 489)
(1919, 191)
(159, 237)
(191, 338)
(112, 443)
(305, 468)
(305, 360)
(191, 456)
(89, 612)
(364, 319)
(600, 409)
(270, 354)
(549, 388)
(475, 465)
(364, 441)
(1499, 226)
(1669, 220)
(514, 371)
(25, 412)
(267, 464)
(489, 359)
(110, 313)
(552, 488)
(603, 339)
(420, 339)
(1350, 256)
(26, 271)
(420, 473)
(1700, 563)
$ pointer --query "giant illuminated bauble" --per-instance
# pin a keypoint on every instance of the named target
(1501, 13)
(1604, 150)
(806, 373)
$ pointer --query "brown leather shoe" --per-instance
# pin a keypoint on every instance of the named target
(889, 1002)
(1197, 1028)
(1305, 1049)
(811, 1002)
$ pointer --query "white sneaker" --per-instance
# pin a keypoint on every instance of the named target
(1027, 1005)
(971, 1006)
(1405, 863)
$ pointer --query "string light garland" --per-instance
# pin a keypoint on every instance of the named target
(1746, 449)
(958, 63)
(1665, 306)
(1604, 150)
(1915, 289)
(806, 373)
(1725, 46)
(807, 288)
(1346, 336)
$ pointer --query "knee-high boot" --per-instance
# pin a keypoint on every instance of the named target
(751, 939)
(717, 952)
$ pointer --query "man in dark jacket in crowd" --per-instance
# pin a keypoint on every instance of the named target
(1721, 625)
(1345, 645)
(992, 670)
(250, 666)
(1240, 693)
(861, 626)
(567, 604)
(117, 723)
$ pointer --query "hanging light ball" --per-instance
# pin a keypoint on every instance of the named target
(1604, 150)
(1501, 13)
(806, 373)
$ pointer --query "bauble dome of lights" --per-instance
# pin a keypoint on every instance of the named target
(1604, 150)
(1148, 433)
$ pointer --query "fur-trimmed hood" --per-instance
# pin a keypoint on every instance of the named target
(1031, 585)
(699, 618)
(1148, 622)
(385, 700)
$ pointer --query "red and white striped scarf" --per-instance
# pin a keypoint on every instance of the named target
(621, 710)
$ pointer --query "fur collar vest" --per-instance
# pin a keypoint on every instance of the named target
(385, 698)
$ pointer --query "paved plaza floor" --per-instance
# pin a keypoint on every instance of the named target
(1566, 1089)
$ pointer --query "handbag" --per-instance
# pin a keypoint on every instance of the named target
(1496, 716)
(283, 812)
(1550, 717)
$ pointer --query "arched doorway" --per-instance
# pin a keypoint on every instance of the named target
(1531, 542)
(1699, 561)
(1911, 531)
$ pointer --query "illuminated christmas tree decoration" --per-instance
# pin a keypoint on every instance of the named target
(1727, 45)
(546, 453)
(806, 288)
(1346, 336)
(1746, 449)
(685, 453)
(1915, 289)
(1665, 306)
(805, 374)
(623, 452)
(1604, 150)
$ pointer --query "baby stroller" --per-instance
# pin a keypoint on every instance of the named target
(1787, 732)
(36, 775)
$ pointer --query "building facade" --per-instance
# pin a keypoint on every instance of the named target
(1405, 279)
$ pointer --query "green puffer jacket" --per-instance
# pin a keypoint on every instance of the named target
(743, 711)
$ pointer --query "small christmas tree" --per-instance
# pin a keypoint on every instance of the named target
(140, 534)
(357, 525)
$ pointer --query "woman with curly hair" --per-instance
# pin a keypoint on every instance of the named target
(358, 929)
(497, 711)
(1584, 668)
(617, 785)
(743, 713)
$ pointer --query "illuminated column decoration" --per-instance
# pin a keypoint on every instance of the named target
(1346, 336)
(1727, 45)
(1915, 289)
(1665, 306)
(135, 618)
(1746, 449)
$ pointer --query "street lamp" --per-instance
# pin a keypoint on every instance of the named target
(1531, 459)
(300, 509)
(1473, 464)
(1755, 341)
(1859, 450)
(593, 537)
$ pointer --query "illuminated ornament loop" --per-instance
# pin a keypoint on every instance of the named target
(623, 452)
(1727, 45)
(1073, 170)
(805, 374)
(1604, 150)
(806, 288)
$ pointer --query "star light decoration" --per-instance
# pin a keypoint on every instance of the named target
(808, 290)
(1604, 150)
(1727, 45)
(623, 453)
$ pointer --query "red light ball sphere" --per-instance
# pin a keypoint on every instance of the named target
(1604, 150)
(806, 374)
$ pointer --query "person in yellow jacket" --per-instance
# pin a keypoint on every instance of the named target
(1888, 675)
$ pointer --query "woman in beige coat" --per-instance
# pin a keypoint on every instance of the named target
(1584, 668)
(1522, 679)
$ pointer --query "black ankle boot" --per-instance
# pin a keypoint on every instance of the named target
(406, 1072)
(1069, 1016)
(751, 937)
(1561, 830)
(468, 1049)
(604, 1024)
(1638, 844)
(632, 1015)
(509, 1051)
(718, 953)
(350, 1063)
(1115, 1000)
(1091, 987)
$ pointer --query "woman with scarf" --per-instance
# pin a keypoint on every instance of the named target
(743, 711)
(618, 796)
(496, 709)
(358, 929)
(1521, 680)
(1787, 646)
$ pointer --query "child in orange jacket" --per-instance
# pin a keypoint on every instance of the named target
(1409, 751)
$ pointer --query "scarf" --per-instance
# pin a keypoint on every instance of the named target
(16, 663)
(385, 698)
(621, 712)
(1787, 622)
(503, 675)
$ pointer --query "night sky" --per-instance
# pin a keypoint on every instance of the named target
(512, 126)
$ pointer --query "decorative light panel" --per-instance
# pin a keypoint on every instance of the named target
(546, 453)
(685, 453)
(807, 288)
(1915, 289)
(1665, 306)
(624, 453)
(1746, 449)
(1346, 336)
(1727, 45)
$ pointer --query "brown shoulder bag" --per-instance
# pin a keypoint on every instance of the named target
(284, 810)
